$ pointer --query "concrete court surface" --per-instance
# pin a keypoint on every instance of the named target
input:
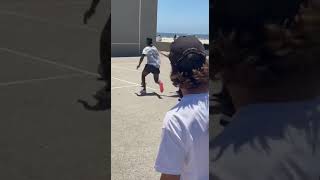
(48, 61)
(137, 121)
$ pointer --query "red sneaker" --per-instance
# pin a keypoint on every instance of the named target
(161, 86)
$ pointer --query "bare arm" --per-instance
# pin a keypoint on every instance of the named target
(94, 4)
(90, 11)
(164, 54)
(169, 177)
(141, 59)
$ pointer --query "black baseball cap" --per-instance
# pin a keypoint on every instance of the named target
(187, 53)
(184, 43)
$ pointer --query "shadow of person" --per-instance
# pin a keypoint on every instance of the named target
(176, 94)
(99, 106)
(103, 102)
(150, 94)
(171, 96)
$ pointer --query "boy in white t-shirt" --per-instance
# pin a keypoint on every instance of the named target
(269, 63)
(152, 66)
(184, 148)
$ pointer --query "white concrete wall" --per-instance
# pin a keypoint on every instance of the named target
(132, 22)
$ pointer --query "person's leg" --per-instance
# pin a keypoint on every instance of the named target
(156, 78)
(105, 43)
(156, 73)
(105, 53)
(145, 72)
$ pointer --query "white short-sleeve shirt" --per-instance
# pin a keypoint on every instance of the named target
(184, 147)
(152, 54)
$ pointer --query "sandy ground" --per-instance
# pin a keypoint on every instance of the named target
(48, 62)
(137, 121)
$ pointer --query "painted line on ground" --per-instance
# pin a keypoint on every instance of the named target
(121, 87)
(164, 54)
(44, 60)
(40, 79)
(125, 43)
(163, 72)
(125, 62)
(117, 64)
(42, 20)
(22, 3)
(117, 67)
(133, 83)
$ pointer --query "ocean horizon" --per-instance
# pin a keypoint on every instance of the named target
(171, 35)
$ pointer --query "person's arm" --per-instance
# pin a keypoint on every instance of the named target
(141, 59)
(164, 54)
(94, 4)
(172, 153)
(90, 11)
(169, 177)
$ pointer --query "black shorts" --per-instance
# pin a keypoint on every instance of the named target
(151, 69)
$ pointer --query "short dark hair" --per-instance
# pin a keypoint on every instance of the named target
(149, 41)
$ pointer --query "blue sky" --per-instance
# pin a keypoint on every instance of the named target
(183, 16)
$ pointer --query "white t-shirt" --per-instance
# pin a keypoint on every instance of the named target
(184, 147)
(275, 141)
(152, 54)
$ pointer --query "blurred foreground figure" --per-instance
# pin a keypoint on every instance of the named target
(267, 56)
(102, 95)
(105, 43)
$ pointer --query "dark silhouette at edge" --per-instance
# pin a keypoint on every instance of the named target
(103, 95)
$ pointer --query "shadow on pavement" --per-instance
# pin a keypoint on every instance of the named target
(150, 94)
(171, 96)
(103, 102)
(100, 106)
